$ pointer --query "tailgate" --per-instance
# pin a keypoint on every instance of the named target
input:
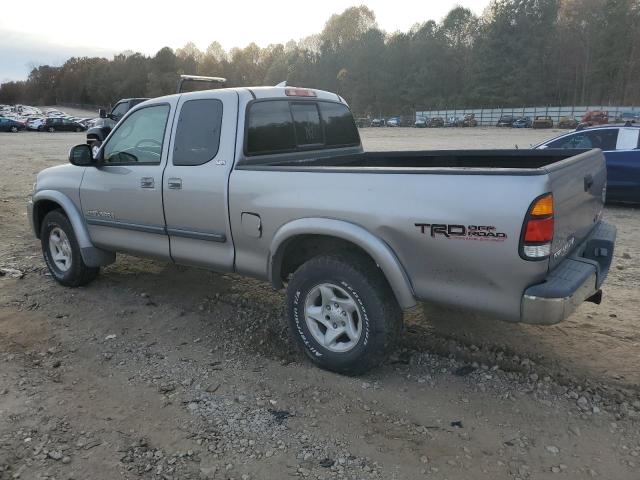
(578, 185)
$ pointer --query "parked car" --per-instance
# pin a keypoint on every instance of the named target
(522, 122)
(394, 122)
(103, 126)
(61, 125)
(567, 122)
(469, 120)
(596, 117)
(543, 121)
(378, 122)
(32, 123)
(10, 125)
(453, 122)
(351, 257)
(435, 122)
(621, 151)
(630, 117)
(420, 122)
(505, 121)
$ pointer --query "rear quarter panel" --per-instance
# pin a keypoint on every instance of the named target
(577, 205)
(486, 275)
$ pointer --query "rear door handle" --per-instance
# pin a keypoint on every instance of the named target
(174, 183)
(147, 182)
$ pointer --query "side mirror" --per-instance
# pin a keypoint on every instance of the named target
(81, 156)
(102, 113)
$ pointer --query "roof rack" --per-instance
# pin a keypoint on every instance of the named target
(198, 78)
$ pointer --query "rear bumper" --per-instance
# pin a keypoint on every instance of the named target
(578, 278)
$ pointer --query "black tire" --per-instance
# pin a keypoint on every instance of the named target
(79, 273)
(379, 311)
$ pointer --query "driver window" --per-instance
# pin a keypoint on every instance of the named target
(138, 140)
(119, 110)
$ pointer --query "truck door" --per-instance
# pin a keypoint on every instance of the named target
(122, 197)
(201, 155)
(623, 167)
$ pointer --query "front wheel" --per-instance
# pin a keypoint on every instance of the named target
(62, 253)
(342, 313)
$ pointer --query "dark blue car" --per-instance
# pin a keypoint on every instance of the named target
(620, 146)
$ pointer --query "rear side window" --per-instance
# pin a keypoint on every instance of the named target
(340, 129)
(604, 139)
(278, 126)
(270, 128)
(198, 132)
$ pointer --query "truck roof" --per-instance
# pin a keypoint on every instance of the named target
(273, 92)
(142, 99)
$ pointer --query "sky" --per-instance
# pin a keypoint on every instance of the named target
(38, 32)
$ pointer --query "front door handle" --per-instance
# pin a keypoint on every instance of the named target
(147, 182)
(174, 183)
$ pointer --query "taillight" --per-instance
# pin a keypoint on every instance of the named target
(537, 232)
(299, 92)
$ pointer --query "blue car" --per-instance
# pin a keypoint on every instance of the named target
(621, 148)
(11, 125)
(522, 122)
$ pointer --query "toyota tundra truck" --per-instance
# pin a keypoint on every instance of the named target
(273, 183)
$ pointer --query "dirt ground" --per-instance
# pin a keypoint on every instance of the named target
(157, 371)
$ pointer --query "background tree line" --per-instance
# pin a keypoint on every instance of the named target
(533, 52)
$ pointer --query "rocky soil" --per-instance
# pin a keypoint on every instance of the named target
(156, 371)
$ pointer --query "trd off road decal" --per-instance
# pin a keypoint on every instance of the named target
(462, 232)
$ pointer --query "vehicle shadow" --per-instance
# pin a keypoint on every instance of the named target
(578, 348)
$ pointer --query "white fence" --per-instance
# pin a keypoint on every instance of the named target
(490, 116)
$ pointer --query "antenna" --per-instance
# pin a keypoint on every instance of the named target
(282, 84)
(198, 78)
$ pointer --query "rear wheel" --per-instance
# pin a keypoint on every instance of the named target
(62, 253)
(342, 313)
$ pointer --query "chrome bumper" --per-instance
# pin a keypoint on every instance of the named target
(578, 278)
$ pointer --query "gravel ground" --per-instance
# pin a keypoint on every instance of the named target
(156, 371)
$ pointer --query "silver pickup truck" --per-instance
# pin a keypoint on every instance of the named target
(272, 182)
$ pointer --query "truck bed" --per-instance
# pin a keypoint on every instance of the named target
(434, 159)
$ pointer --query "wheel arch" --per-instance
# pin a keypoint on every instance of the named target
(45, 201)
(338, 235)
